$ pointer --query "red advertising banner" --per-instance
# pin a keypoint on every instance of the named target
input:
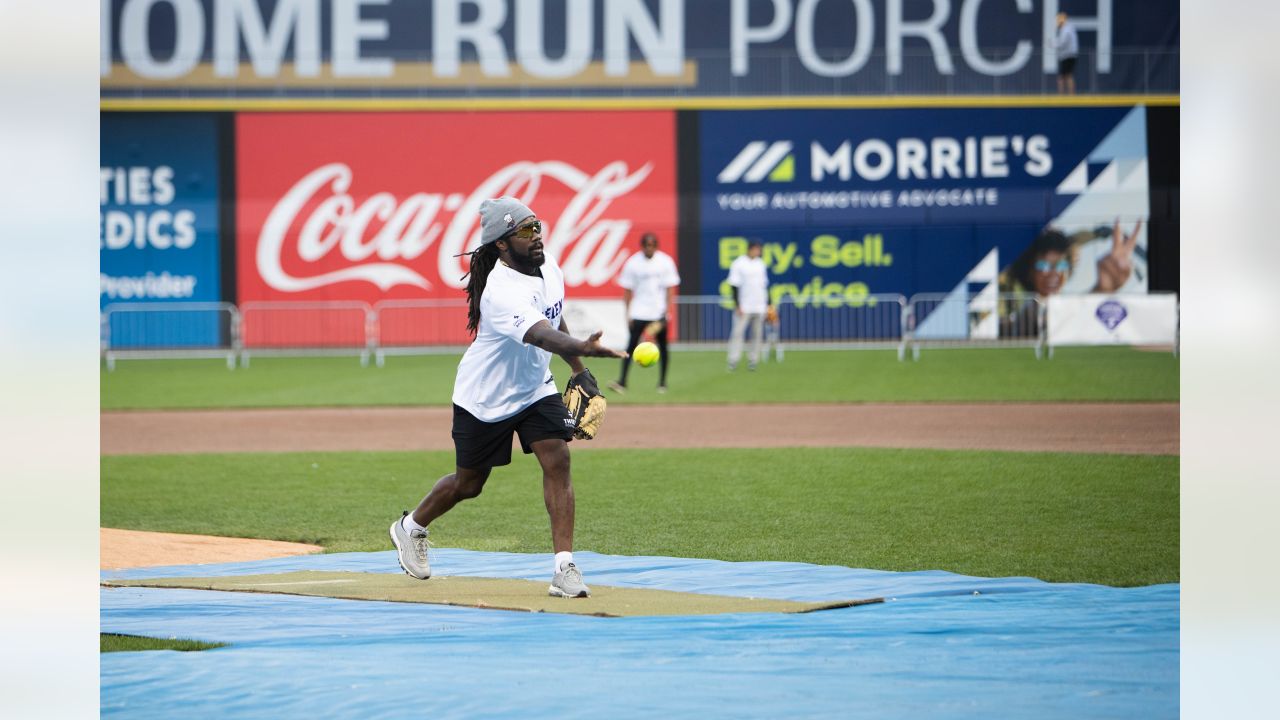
(375, 206)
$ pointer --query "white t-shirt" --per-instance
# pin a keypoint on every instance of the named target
(500, 375)
(751, 277)
(648, 280)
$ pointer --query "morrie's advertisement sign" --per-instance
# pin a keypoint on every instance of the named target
(462, 48)
(373, 207)
(850, 203)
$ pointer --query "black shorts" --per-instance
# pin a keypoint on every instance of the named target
(480, 445)
(1067, 66)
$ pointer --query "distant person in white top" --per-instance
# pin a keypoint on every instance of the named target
(1066, 44)
(649, 280)
(504, 386)
(749, 279)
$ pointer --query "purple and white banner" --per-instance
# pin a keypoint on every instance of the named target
(1095, 319)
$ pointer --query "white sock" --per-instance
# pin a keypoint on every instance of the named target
(562, 559)
(409, 524)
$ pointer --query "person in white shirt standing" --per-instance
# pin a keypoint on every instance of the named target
(1066, 43)
(749, 279)
(649, 280)
(504, 387)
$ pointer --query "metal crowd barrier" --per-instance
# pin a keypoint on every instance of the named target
(417, 327)
(308, 328)
(152, 331)
(402, 327)
(973, 320)
(832, 322)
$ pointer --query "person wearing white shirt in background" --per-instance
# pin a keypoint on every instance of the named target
(504, 387)
(1066, 44)
(749, 279)
(649, 280)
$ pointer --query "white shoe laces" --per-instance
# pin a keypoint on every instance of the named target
(420, 545)
(572, 575)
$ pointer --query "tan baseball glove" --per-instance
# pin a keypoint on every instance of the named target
(585, 403)
(652, 329)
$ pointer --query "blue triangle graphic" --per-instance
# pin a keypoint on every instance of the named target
(1096, 168)
(949, 319)
(1126, 140)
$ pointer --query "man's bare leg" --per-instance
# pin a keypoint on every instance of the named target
(410, 536)
(557, 490)
(462, 484)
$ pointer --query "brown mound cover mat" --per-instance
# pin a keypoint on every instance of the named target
(493, 593)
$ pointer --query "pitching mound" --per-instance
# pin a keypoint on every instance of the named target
(134, 548)
(494, 593)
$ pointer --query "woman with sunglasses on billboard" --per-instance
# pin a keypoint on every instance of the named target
(504, 386)
(1046, 266)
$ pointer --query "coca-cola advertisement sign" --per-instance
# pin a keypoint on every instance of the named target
(373, 206)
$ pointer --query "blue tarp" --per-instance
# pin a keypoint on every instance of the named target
(945, 645)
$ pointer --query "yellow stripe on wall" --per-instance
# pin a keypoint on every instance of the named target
(243, 104)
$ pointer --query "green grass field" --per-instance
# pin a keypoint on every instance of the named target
(960, 375)
(110, 642)
(1108, 519)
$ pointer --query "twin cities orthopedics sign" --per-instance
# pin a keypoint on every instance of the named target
(300, 48)
(158, 194)
(158, 226)
(379, 206)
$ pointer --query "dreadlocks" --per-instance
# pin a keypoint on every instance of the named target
(482, 262)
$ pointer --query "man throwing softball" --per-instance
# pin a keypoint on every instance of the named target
(504, 387)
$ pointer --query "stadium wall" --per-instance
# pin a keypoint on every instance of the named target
(257, 134)
(874, 201)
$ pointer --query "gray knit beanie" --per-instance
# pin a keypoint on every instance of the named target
(499, 216)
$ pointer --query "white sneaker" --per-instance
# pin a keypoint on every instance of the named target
(568, 583)
(411, 550)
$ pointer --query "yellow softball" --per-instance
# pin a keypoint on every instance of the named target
(646, 354)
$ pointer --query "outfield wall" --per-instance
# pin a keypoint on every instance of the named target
(266, 151)
(368, 206)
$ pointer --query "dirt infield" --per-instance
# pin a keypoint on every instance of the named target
(1147, 428)
(119, 549)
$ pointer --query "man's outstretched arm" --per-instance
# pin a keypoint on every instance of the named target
(574, 361)
(567, 346)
